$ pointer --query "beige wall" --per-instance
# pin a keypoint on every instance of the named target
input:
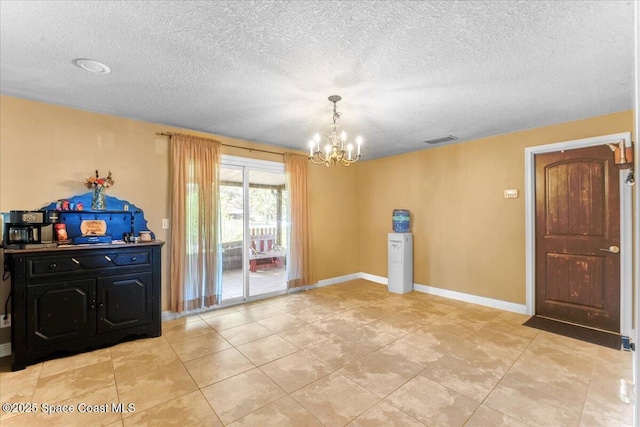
(334, 207)
(467, 237)
(46, 151)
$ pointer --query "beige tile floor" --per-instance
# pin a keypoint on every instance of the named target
(350, 354)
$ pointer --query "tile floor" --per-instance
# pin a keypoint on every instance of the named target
(350, 354)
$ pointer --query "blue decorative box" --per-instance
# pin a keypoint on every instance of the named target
(91, 239)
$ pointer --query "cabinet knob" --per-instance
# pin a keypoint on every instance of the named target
(133, 258)
(53, 265)
(75, 260)
(107, 258)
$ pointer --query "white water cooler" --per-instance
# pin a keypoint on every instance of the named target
(400, 262)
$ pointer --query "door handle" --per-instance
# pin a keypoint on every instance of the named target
(612, 249)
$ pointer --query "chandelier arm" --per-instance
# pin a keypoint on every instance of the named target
(314, 161)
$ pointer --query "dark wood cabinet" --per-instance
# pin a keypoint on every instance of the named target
(124, 301)
(58, 312)
(79, 298)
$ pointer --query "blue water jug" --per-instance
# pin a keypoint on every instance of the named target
(401, 221)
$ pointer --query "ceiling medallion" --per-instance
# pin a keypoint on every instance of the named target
(334, 148)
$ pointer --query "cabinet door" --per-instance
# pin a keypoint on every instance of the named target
(124, 301)
(61, 311)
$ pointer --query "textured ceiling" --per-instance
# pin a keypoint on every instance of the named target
(407, 71)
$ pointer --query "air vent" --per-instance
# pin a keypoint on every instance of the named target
(439, 140)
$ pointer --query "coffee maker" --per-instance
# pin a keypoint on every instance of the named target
(28, 229)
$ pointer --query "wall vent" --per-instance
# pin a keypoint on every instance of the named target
(439, 140)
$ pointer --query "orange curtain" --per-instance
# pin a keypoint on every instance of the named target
(299, 246)
(195, 263)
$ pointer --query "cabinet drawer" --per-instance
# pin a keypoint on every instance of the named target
(52, 265)
(133, 258)
(77, 263)
(94, 261)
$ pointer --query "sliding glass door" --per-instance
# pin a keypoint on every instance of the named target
(232, 232)
(253, 228)
(267, 233)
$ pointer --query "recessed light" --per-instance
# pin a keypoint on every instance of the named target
(93, 66)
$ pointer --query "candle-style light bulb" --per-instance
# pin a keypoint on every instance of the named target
(349, 148)
(311, 145)
(359, 142)
(316, 138)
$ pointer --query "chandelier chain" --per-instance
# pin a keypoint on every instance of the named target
(336, 115)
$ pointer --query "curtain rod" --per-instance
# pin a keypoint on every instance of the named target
(234, 146)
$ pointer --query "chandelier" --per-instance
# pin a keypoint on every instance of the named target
(333, 151)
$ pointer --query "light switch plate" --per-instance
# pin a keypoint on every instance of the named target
(165, 223)
(511, 193)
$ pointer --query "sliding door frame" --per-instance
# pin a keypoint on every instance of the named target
(247, 165)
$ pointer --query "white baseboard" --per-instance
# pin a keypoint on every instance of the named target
(339, 279)
(301, 289)
(474, 299)
(459, 296)
(5, 349)
(373, 278)
(168, 315)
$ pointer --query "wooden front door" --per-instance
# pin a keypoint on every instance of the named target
(577, 216)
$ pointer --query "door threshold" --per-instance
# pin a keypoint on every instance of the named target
(571, 330)
(578, 325)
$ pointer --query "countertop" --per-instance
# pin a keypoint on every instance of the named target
(84, 246)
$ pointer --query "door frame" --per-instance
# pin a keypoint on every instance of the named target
(626, 299)
(247, 165)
